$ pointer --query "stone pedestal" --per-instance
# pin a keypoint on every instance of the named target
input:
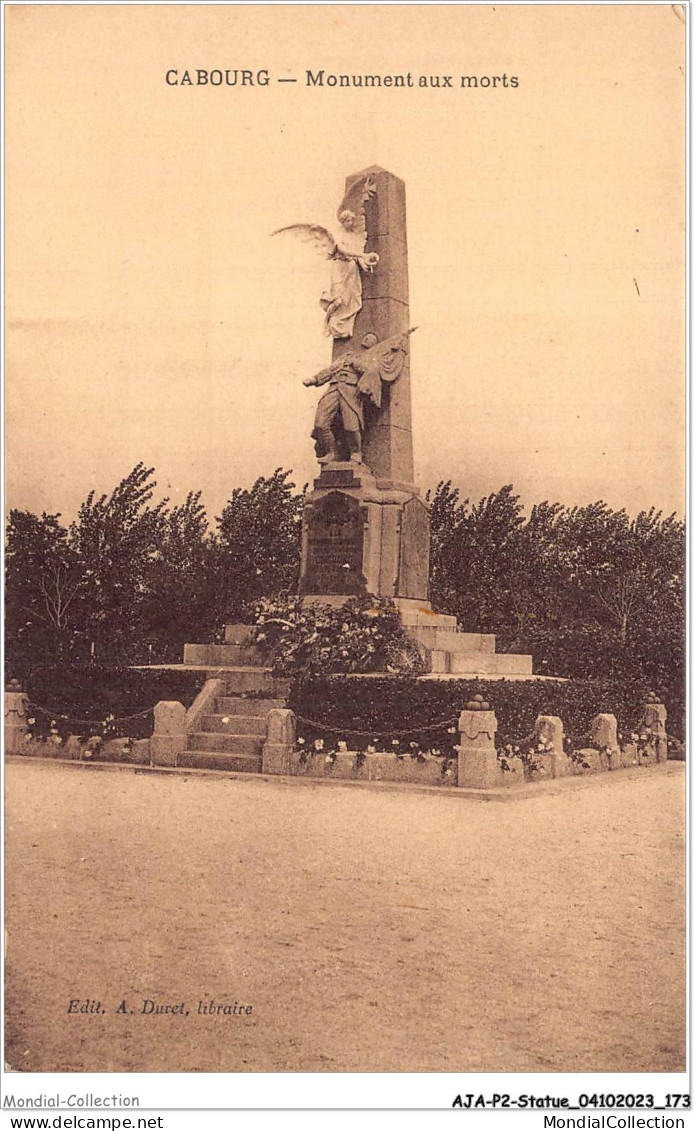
(280, 743)
(654, 721)
(478, 766)
(15, 718)
(360, 537)
(603, 732)
(169, 737)
(549, 730)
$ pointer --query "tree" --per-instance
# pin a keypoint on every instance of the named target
(180, 599)
(258, 543)
(586, 590)
(44, 577)
(116, 537)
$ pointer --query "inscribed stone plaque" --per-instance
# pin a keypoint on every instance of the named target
(334, 558)
(413, 573)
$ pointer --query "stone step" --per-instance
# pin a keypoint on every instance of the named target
(240, 679)
(444, 640)
(217, 760)
(221, 654)
(481, 663)
(235, 724)
(428, 619)
(226, 743)
(234, 705)
(243, 634)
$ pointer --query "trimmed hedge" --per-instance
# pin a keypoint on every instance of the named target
(403, 708)
(88, 694)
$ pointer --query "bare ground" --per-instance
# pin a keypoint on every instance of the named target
(369, 930)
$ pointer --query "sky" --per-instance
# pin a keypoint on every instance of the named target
(151, 317)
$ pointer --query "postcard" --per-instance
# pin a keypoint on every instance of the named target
(345, 558)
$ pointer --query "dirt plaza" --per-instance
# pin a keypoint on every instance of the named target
(187, 922)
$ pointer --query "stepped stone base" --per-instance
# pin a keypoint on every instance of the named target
(231, 733)
(216, 655)
(458, 653)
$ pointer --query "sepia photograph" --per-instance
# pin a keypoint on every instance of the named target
(345, 660)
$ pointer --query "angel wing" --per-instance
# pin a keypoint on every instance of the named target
(354, 200)
(319, 237)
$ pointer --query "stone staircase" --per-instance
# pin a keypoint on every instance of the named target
(453, 652)
(231, 734)
(232, 731)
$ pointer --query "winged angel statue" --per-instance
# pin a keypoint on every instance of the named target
(342, 302)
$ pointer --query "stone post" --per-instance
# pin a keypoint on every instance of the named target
(549, 731)
(603, 733)
(653, 723)
(15, 717)
(169, 737)
(280, 741)
(478, 767)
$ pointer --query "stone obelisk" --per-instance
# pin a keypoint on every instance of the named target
(365, 527)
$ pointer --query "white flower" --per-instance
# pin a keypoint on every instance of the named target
(301, 741)
(395, 742)
(225, 719)
(31, 722)
(342, 746)
(451, 730)
(370, 749)
(318, 744)
(57, 740)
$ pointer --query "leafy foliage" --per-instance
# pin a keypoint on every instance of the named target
(587, 590)
(83, 698)
(131, 580)
(363, 635)
(259, 542)
(376, 710)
